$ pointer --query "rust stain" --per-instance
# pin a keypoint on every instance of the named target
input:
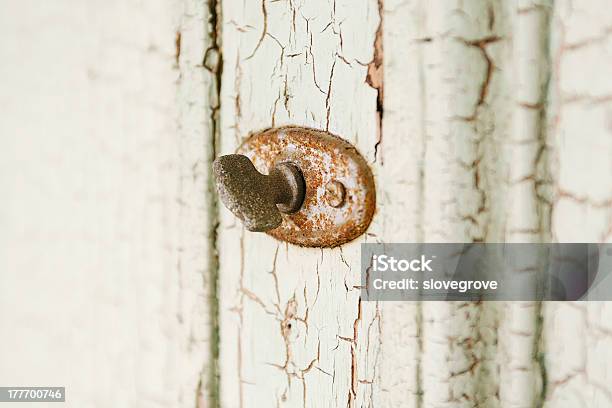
(322, 158)
(177, 48)
(375, 74)
(375, 77)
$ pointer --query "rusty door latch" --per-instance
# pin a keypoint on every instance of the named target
(318, 191)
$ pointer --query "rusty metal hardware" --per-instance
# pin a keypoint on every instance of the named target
(255, 198)
(318, 191)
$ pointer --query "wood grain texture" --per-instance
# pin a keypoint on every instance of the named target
(104, 226)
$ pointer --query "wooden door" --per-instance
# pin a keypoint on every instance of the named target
(124, 279)
(482, 121)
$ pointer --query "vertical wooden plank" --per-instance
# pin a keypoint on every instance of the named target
(463, 132)
(577, 336)
(104, 226)
(293, 330)
(466, 47)
(198, 57)
(463, 156)
(400, 193)
(528, 191)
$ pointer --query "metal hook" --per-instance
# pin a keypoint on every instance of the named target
(258, 200)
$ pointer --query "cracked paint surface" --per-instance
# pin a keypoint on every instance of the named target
(479, 136)
(105, 156)
(577, 337)
(483, 120)
(294, 332)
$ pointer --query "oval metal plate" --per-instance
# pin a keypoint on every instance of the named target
(322, 158)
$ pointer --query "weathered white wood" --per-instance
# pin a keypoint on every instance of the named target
(399, 216)
(197, 100)
(465, 48)
(528, 190)
(104, 226)
(293, 331)
(496, 127)
(516, 199)
(578, 336)
(463, 156)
